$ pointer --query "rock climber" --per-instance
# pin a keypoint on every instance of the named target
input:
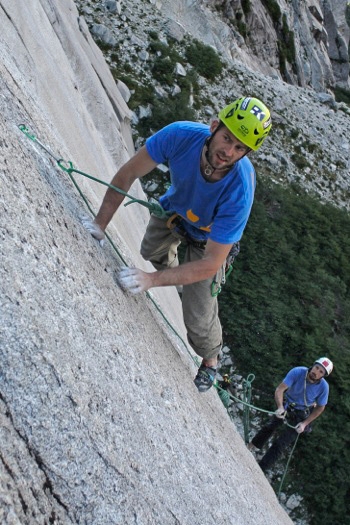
(208, 205)
(300, 398)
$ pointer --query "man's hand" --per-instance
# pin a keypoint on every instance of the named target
(300, 427)
(280, 413)
(93, 228)
(135, 280)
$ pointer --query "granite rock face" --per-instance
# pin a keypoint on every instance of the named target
(100, 422)
(253, 34)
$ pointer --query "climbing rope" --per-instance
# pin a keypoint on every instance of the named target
(158, 211)
(154, 208)
(247, 386)
(68, 167)
(247, 394)
(286, 468)
(226, 398)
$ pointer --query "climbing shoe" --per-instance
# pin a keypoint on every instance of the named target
(205, 377)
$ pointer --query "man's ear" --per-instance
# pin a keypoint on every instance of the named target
(214, 124)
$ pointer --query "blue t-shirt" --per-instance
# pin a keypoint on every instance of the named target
(218, 211)
(302, 393)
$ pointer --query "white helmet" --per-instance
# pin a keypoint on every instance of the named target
(326, 363)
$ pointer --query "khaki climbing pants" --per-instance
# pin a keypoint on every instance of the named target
(200, 308)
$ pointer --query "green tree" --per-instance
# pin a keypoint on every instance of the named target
(204, 59)
(287, 303)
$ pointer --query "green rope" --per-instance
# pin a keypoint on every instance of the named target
(247, 393)
(286, 469)
(68, 167)
(152, 208)
(157, 210)
(226, 399)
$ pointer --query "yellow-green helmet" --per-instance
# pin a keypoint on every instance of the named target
(248, 119)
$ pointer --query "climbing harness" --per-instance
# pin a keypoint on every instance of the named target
(68, 167)
(24, 129)
(216, 286)
(175, 222)
(157, 210)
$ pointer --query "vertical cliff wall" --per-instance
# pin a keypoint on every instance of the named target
(100, 422)
(304, 43)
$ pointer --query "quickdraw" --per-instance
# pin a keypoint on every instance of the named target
(216, 286)
(67, 166)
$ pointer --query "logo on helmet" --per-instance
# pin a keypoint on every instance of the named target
(267, 123)
(245, 103)
(244, 130)
(260, 115)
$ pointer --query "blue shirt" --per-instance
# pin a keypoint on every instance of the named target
(218, 211)
(303, 393)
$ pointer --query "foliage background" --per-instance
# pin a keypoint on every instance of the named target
(287, 303)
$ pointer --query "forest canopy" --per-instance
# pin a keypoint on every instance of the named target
(287, 303)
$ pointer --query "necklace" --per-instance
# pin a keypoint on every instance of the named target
(208, 170)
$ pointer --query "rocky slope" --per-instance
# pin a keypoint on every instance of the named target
(309, 142)
(100, 422)
(253, 31)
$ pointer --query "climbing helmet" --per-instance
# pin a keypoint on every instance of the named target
(248, 119)
(326, 363)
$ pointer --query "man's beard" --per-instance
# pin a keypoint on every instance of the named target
(312, 378)
(211, 156)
